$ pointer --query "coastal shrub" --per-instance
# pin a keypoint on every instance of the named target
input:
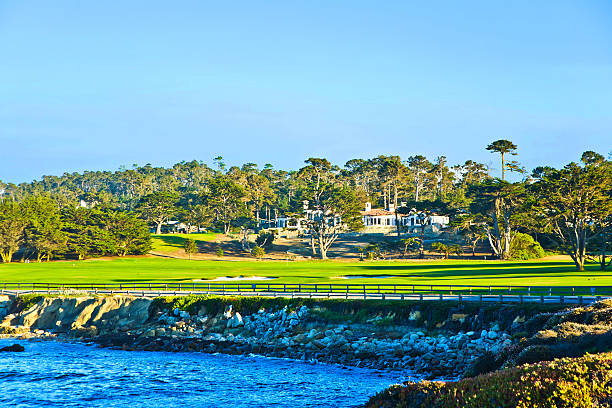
(484, 363)
(583, 382)
(568, 333)
(524, 247)
(534, 354)
(25, 302)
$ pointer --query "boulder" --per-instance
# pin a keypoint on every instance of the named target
(13, 348)
(235, 321)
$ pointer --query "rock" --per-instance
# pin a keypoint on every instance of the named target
(228, 312)
(492, 335)
(176, 311)
(184, 315)
(235, 321)
(483, 334)
(13, 348)
(149, 333)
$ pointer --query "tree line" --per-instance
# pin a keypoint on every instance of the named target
(39, 229)
(568, 209)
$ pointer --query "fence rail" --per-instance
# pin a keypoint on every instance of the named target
(559, 294)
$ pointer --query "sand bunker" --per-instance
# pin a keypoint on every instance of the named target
(235, 278)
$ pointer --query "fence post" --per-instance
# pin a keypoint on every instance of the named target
(561, 299)
(421, 297)
(521, 298)
(542, 299)
(580, 300)
(501, 298)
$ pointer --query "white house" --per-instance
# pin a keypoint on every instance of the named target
(381, 220)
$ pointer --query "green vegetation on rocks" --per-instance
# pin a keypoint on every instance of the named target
(583, 382)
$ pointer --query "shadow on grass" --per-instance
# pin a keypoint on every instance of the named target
(478, 271)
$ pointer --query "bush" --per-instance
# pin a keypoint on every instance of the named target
(258, 252)
(583, 382)
(219, 252)
(265, 240)
(524, 247)
(190, 246)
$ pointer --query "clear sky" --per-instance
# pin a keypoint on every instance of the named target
(99, 84)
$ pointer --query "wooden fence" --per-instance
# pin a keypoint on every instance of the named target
(542, 294)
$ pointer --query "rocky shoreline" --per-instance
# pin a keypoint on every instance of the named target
(378, 339)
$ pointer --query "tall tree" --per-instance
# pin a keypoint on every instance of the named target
(158, 207)
(331, 209)
(503, 147)
(43, 233)
(12, 225)
(224, 199)
(575, 205)
(499, 205)
(418, 166)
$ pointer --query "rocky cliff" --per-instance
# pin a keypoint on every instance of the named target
(433, 339)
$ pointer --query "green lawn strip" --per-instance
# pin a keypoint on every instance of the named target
(168, 243)
(149, 269)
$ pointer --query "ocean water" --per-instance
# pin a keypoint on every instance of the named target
(55, 374)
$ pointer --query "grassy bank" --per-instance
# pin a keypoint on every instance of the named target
(156, 269)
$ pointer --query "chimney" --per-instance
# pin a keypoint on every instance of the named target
(368, 206)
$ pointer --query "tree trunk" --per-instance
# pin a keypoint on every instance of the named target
(312, 244)
(6, 256)
(158, 229)
(322, 248)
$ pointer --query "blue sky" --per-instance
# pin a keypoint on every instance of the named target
(96, 85)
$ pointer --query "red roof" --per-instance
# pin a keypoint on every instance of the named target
(377, 211)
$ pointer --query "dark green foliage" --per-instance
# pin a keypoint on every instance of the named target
(524, 247)
(265, 240)
(102, 231)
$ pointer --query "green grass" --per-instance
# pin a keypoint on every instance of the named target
(168, 243)
(152, 269)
